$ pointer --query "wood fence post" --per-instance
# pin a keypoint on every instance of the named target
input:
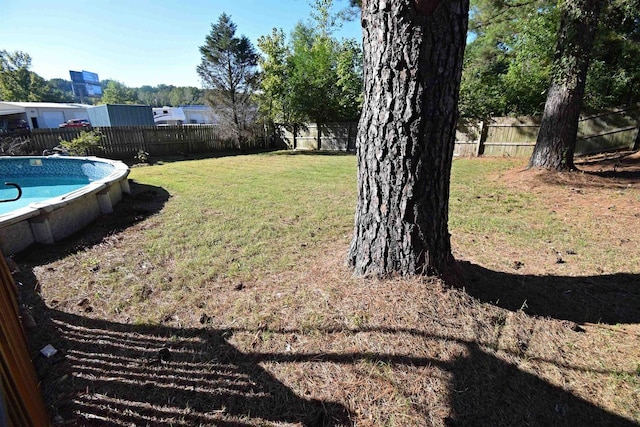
(295, 136)
(635, 143)
(275, 140)
(480, 140)
(22, 403)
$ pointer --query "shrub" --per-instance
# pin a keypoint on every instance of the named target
(85, 141)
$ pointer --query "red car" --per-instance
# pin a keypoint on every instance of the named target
(76, 123)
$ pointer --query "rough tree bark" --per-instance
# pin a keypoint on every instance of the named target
(412, 66)
(556, 142)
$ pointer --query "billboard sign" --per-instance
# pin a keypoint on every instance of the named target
(85, 83)
(76, 77)
(90, 77)
(94, 89)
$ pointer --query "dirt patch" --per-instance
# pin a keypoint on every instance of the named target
(618, 170)
(601, 200)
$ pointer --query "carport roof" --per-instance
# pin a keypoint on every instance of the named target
(24, 105)
(7, 108)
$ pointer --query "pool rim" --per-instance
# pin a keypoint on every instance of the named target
(101, 188)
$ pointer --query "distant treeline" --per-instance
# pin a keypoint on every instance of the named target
(155, 96)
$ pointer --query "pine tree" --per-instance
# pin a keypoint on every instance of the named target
(412, 65)
(229, 70)
(559, 127)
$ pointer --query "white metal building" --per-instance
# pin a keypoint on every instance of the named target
(43, 114)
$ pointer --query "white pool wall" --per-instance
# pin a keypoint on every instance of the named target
(54, 219)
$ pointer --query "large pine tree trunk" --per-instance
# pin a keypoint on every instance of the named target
(412, 65)
(558, 133)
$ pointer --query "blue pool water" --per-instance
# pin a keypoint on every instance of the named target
(37, 189)
(60, 196)
(43, 178)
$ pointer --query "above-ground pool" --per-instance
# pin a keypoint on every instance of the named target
(59, 196)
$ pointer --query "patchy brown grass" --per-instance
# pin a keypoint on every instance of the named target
(529, 340)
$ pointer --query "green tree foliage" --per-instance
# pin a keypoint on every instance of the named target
(18, 83)
(313, 77)
(349, 82)
(15, 77)
(62, 85)
(508, 62)
(273, 100)
(614, 74)
(61, 90)
(185, 95)
(118, 93)
(149, 95)
(169, 95)
(326, 21)
(229, 70)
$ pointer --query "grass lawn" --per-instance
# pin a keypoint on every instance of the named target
(217, 294)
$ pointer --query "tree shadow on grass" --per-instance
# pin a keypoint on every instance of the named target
(334, 153)
(145, 200)
(487, 391)
(608, 170)
(611, 298)
(160, 159)
(126, 375)
(113, 374)
(484, 391)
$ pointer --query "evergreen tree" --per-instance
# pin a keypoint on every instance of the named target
(509, 60)
(413, 54)
(229, 70)
(557, 137)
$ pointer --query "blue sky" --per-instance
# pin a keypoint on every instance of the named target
(138, 42)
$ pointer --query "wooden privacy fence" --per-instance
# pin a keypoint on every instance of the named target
(501, 136)
(515, 137)
(20, 399)
(340, 136)
(126, 142)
